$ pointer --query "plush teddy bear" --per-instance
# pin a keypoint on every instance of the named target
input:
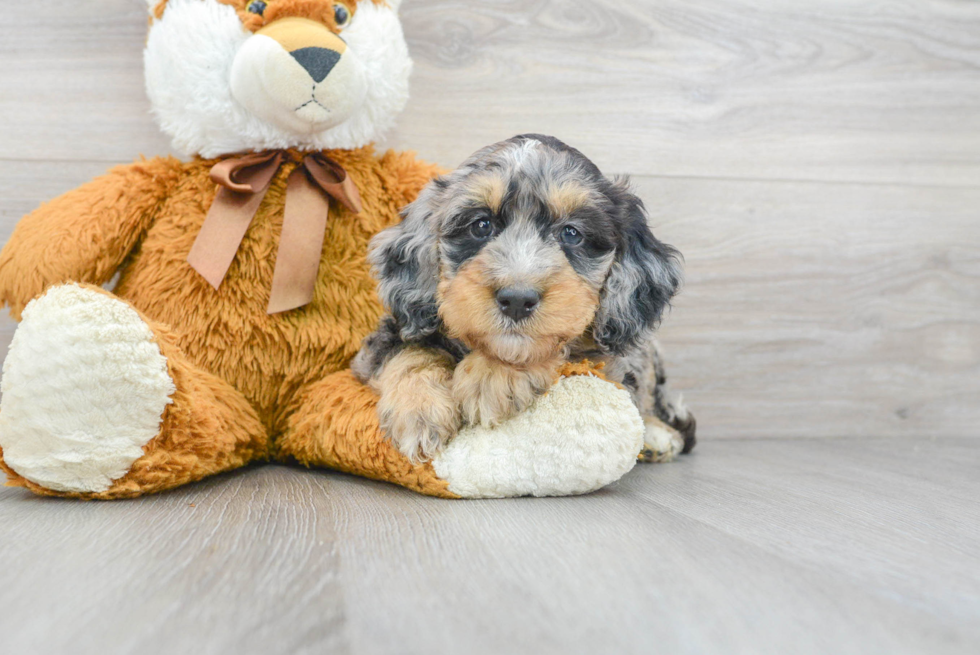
(243, 289)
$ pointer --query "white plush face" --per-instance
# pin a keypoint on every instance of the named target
(231, 76)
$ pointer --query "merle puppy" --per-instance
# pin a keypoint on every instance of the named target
(522, 259)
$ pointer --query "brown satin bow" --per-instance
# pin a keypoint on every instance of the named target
(243, 183)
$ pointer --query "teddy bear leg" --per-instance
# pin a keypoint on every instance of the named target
(334, 423)
(99, 403)
(582, 435)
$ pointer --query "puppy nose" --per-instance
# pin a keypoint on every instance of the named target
(518, 303)
(318, 62)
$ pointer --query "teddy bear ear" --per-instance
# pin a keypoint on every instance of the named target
(153, 4)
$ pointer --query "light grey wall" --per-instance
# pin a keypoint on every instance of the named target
(817, 161)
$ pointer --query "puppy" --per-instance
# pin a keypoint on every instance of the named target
(522, 259)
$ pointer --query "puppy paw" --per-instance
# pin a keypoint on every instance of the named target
(489, 392)
(419, 432)
(416, 408)
(661, 443)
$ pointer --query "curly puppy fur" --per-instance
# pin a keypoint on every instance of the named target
(522, 259)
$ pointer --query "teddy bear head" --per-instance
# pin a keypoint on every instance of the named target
(233, 76)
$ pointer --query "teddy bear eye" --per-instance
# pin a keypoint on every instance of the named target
(257, 7)
(341, 15)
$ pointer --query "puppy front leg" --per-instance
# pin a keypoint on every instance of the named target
(490, 391)
(416, 406)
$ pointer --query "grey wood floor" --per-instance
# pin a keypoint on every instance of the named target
(754, 546)
(817, 162)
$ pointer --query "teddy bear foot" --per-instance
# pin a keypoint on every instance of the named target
(581, 436)
(84, 389)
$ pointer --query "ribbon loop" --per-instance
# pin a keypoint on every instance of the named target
(332, 178)
(243, 183)
(248, 174)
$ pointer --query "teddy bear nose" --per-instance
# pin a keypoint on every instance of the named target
(318, 62)
(518, 303)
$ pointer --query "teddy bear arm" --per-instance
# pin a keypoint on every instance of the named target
(84, 235)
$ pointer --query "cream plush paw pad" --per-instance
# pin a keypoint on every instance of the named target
(584, 434)
(84, 389)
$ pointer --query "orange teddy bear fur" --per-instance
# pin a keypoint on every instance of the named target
(250, 386)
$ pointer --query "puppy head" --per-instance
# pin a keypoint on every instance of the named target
(522, 249)
(229, 76)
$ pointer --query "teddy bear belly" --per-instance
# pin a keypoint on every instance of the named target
(229, 333)
(267, 358)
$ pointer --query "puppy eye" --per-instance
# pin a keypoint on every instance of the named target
(341, 14)
(257, 7)
(571, 236)
(482, 228)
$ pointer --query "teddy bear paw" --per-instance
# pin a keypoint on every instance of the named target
(582, 435)
(84, 389)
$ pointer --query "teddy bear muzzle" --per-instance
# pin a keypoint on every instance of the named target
(299, 75)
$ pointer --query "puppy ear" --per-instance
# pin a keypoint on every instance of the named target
(644, 277)
(405, 261)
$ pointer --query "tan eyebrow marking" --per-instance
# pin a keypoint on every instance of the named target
(488, 190)
(563, 199)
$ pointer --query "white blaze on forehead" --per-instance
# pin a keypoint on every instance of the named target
(522, 153)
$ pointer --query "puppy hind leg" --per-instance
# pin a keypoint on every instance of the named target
(685, 423)
(667, 406)
(661, 442)
(671, 410)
